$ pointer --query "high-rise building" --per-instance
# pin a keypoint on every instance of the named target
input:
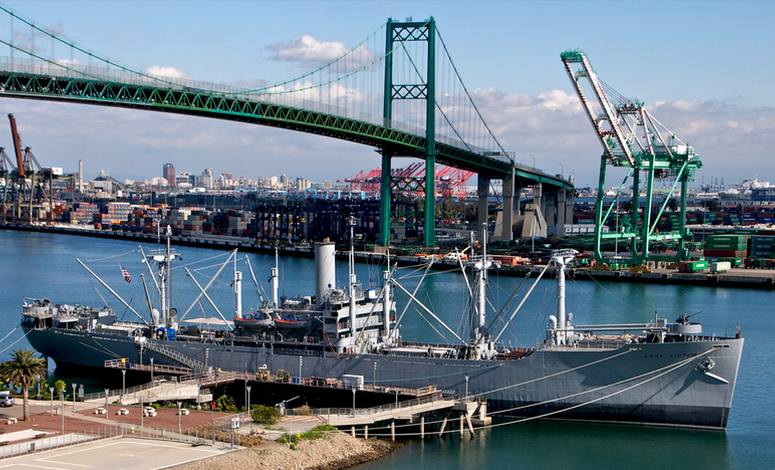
(207, 179)
(168, 172)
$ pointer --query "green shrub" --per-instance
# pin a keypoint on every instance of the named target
(266, 415)
(317, 432)
(226, 403)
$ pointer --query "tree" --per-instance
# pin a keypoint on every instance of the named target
(23, 369)
(60, 387)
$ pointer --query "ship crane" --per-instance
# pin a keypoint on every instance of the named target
(633, 139)
(28, 168)
(7, 170)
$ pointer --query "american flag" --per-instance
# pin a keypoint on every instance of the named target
(125, 273)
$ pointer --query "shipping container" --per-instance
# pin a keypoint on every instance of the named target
(720, 266)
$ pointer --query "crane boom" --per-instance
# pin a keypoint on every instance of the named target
(17, 146)
(633, 138)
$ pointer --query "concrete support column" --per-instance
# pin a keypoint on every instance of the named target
(384, 200)
(482, 192)
(507, 225)
(538, 195)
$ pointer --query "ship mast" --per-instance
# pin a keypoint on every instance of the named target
(237, 291)
(164, 262)
(481, 346)
(561, 258)
(351, 278)
(482, 280)
(275, 278)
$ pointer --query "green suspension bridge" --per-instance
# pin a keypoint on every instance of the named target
(398, 91)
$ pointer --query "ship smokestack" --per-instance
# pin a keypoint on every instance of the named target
(325, 269)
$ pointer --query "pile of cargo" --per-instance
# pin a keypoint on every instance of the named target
(728, 246)
(762, 246)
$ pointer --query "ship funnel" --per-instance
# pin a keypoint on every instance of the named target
(325, 269)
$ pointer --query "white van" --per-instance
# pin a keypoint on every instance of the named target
(6, 399)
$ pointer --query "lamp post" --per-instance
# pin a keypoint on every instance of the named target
(107, 410)
(248, 387)
(74, 385)
(466, 388)
(396, 398)
(123, 384)
(151, 369)
(301, 361)
(51, 391)
(62, 399)
(179, 414)
(353, 402)
(374, 376)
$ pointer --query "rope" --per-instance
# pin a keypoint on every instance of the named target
(669, 367)
(95, 260)
(17, 340)
(556, 374)
(7, 335)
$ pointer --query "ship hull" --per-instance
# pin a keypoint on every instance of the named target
(687, 384)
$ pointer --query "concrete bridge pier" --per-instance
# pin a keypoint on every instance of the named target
(504, 224)
(533, 222)
(557, 208)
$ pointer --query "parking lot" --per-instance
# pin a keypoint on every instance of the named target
(123, 453)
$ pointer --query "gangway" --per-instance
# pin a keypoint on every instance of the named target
(176, 356)
(164, 369)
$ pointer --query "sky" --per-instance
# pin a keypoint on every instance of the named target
(705, 69)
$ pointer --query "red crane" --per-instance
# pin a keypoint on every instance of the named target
(410, 180)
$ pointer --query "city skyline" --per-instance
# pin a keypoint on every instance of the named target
(527, 99)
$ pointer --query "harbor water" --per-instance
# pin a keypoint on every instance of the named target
(43, 265)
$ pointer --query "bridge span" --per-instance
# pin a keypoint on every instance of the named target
(414, 117)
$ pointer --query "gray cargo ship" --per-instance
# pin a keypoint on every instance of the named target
(656, 373)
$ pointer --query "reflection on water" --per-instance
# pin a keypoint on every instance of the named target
(42, 265)
(553, 444)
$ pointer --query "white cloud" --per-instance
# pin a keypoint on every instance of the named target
(165, 71)
(310, 50)
(733, 140)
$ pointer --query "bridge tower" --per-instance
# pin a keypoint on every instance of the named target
(400, 32)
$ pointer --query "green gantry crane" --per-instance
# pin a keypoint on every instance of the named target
(634, 139)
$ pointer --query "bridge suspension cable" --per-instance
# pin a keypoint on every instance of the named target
(350, 84)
